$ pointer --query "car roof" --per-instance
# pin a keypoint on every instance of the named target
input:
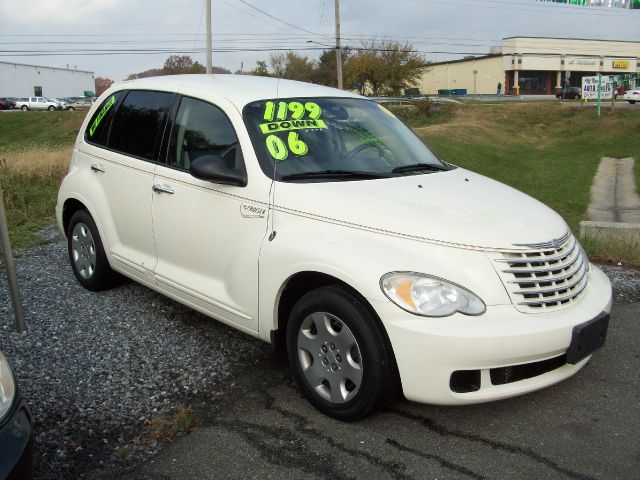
(238, 89)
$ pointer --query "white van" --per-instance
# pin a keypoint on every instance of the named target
(314, 219)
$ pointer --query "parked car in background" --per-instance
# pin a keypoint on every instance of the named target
(72, 103)
(632, 96)
(7, 104)
(315, 219)
(16, 427)
(38, 103)
(567, 93)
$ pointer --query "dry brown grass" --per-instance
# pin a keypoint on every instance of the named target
(29, 179)
(36, 163)
(169, 426)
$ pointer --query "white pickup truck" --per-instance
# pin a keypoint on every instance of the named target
(38, 103)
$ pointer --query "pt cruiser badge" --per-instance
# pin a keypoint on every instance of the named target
(249, 211)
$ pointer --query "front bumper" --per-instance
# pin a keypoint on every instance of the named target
(429, 350)
(16, 443)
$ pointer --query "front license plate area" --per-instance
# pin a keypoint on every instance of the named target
(587, 338)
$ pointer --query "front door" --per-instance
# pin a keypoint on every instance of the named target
(207, 243)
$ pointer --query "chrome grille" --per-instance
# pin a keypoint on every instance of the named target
(547, 275)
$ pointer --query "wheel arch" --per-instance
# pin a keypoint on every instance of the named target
(303, 282)
(71, 206)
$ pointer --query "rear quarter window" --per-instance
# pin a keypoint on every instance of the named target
(97, 131)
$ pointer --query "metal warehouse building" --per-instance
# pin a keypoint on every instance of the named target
(18, 80)
(535, 65)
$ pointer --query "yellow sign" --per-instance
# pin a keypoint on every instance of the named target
(620, 64)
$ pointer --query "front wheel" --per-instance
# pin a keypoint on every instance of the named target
(632, 102)
(340, 357)
(86, 253)
(51, 108)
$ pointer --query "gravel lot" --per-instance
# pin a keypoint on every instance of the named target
(105, 372)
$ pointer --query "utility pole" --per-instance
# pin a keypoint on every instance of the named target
(338, 50)
(208, 15)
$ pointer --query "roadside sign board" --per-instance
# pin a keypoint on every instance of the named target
(590, 88)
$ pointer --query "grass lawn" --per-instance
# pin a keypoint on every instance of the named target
(35, 148)
(548, 150)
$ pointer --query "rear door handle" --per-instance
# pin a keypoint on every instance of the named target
(97, 168)
(162, 189)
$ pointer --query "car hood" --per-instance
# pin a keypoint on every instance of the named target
(454, 207)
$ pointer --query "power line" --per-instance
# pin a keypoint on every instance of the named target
(277, 19)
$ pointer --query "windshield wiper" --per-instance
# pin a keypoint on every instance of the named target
(420, 166)
(334, 174)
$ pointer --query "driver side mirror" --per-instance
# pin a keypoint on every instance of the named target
(214, 169)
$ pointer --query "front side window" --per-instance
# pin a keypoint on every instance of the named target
(332, 139)
(138, 123)
(202, 129)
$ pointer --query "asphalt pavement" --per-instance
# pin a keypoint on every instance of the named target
(583, 428)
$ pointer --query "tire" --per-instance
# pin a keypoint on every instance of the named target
(24, 108)
(71, 108)
(340, 357)
(51, 108)
(86, 254)
(632, 102)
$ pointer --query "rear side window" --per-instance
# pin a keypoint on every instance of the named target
(138, 122)
(98, 128)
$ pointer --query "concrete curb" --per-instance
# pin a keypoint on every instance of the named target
(614, 209)
(606, 231)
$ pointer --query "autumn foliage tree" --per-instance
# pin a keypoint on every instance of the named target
(385, 67)
(102, 84)
(381, 68)
(177, 64)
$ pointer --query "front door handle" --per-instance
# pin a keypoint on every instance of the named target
(97, 168)
(162, 189)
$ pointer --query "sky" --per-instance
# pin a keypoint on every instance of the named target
(114, 38)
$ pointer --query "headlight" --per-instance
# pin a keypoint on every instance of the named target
(7, 387)
(429, 296)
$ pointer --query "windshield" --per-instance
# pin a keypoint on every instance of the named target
(331, 139)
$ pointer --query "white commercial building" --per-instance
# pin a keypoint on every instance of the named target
(534, 65)
(19, 80)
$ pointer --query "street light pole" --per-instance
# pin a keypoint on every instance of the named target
(208, 15)
(338, 50)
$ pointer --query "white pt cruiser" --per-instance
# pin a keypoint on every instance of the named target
(316, 220)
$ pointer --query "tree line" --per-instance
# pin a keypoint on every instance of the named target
(376, 67)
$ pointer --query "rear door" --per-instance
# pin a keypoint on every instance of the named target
(208, 236)
(120, 158)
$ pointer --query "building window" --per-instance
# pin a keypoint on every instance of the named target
(533, 82)
(37, 91)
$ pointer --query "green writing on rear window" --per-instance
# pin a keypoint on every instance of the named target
(103, 112)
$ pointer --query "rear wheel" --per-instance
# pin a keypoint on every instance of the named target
(632, 102)
(24, 108)
(86, 253)
(339, 355)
